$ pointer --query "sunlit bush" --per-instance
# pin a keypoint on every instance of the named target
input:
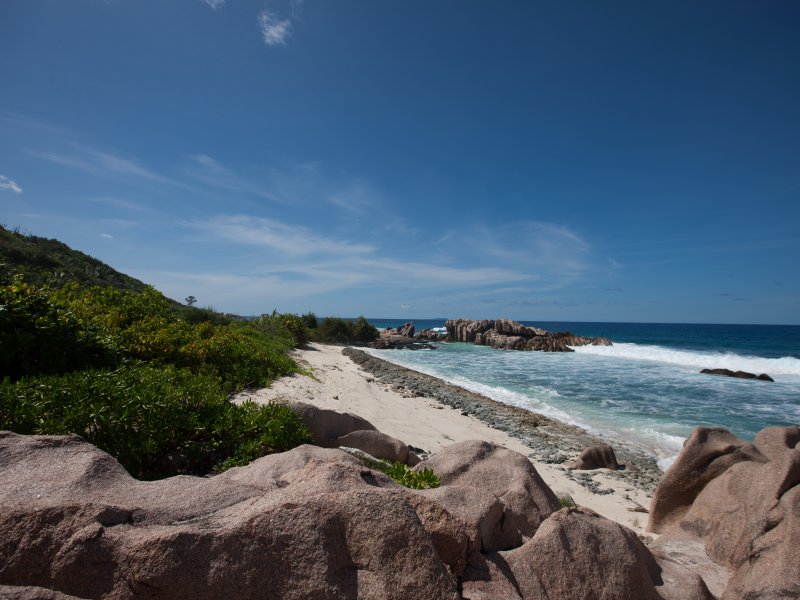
(157, 421)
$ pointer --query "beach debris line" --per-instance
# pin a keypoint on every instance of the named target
(550, 441)
(737, 374)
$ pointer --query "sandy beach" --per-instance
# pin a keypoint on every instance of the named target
(424, 422)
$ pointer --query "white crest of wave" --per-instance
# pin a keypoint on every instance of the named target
(786, 365)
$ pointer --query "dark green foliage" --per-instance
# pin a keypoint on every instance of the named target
(297, 327)
(38, 335)
(42, 261)
(364, 331)
(333, 330)
(195, 315)
(157, 421)
(309, 319)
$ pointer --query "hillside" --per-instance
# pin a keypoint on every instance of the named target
(47, 261)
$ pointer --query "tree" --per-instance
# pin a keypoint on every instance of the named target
(190, 300)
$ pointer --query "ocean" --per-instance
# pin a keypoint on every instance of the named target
(645, 390)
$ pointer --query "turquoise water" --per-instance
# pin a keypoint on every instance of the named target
(646, 389)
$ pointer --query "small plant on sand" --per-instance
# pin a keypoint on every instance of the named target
(417, 480)
(566, 501)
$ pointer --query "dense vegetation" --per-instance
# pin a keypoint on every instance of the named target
(43, 261)
(139, 376)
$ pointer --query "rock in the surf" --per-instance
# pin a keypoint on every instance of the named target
(505, 334)
(737, 374)
(406, 330)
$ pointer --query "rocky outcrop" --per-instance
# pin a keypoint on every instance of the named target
(737, 374)
(510, 335)
(432, 335)
(406, 330)
(308, 523)
(332, 429)
(600, 456)
(379, 445)
(741, 501)
(327, 426)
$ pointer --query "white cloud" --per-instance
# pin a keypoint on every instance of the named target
(276, 31)
(215, 4)
(290, 240)
(8, 184)
(107, 236)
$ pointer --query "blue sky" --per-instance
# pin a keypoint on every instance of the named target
(608, 161)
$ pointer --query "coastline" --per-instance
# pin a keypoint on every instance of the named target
(430, 414)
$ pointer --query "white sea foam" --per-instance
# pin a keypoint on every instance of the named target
(786, 365)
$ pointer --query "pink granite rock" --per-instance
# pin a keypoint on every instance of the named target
(742, 501)
(496, 491)
(320, 525)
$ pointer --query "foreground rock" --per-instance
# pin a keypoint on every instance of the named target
(510, 335)
(308, 523)
(737, 374)
(741, 501)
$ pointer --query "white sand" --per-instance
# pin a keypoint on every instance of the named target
(341, 385)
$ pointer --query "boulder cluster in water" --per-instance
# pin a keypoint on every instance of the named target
(511, 335)
(503, 334)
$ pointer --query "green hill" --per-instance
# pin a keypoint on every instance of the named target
(43, 261)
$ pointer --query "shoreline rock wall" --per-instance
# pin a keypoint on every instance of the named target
(505, 334)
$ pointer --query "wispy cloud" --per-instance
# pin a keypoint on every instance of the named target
(290, 240)
(100, 162)
(276, 31)
(215, 4)
(107, 236)
(210, 171)
(8, 184)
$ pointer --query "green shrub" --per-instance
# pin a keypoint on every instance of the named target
(157, 422)
(333, 330)
(418, 480)
(37, 335)
(309, 319)
(566, 501)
